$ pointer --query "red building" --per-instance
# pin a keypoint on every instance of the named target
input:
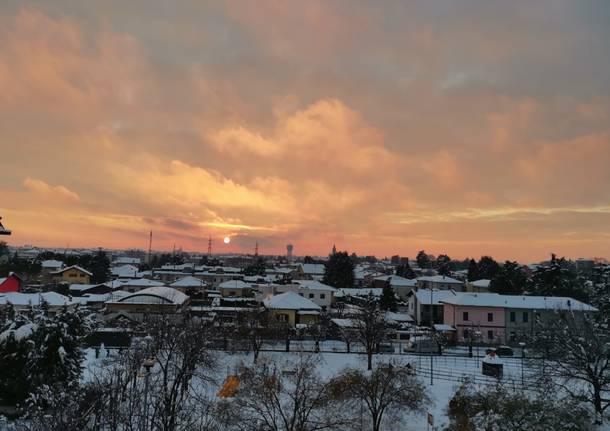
(12, 283)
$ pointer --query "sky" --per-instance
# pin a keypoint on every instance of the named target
(460, 127)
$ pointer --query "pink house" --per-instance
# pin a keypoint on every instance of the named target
(482, 322)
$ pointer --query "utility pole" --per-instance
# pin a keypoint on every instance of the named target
(256, 249)
(431, 326)
(210, 247)
(150, 248)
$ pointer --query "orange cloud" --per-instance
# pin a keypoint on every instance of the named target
(53, 192)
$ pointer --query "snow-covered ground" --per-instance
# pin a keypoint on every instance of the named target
(448, 371)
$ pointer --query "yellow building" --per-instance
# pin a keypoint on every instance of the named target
(73, 275)
(235, 288)
(292, 308)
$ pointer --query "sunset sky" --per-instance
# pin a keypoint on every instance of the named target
(384, 127)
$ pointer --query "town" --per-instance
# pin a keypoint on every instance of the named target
(434, 320)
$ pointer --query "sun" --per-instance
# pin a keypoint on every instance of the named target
(227, 240)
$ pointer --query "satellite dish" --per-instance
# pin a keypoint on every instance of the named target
(3, 230)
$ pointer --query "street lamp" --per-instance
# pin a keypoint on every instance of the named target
(522, 345)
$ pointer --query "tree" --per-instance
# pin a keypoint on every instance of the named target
(370, 327)
(510, 280)
(502, 409)
(256, 268)
(286, 396)
(488, 268)
(255, 327)
(578, 350)
(99, 265)
(389, 390)
(557, 278)
(339, 271)
(443, 264)
(388, 298)
(473, 270)
(404, 270)
(423, 260)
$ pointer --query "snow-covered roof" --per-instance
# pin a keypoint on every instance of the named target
(121, 260)
(393, 317)
(423, 296)
(483, 283)
(361, 292)
(51, 264)
(76, 287)
(154, 295)
(78, 268)
(517, 301)
(142, 282)
(35, 299)
(290, 301)
(234, 284)
(313, 268)
(125, 271)
(188, 281)
(396, 280)
(439, 279)
(441, 327)
(314, 285)
(100, 297)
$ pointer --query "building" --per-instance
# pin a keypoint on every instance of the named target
(478, 285)
(137, 284)
(319, 293)
(439, 282)
(84, 289)
(152, 300)
(421, 302)
(292, 308)
(494, 318)
(125, 271)
(12, 283)
(189, 283)
(24, 301)
(72, 274)
(233, 288)
(312, 271)
(402, 286)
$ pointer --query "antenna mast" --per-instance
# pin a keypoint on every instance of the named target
(210, 246)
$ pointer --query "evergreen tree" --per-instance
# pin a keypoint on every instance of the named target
(423, 260)
(339, 271)
(256, 268)
(404, 270)
(488, 268)
(443, 264)
(473, 270)
(99, 265)
(510, 280)
(388, 298)
(557, 278)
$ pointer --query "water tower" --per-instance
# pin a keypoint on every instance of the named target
(289, 249)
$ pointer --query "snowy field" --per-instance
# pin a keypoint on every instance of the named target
(447, 374)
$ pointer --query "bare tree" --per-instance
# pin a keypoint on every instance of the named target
(370, 327)
(255, 327)
(389, 390)
(287, 396)
(577, 354)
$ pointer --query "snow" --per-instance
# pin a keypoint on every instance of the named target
(166, 294)
(188, 281)
(313, 268)
(517, 301)
(439, 279)
(423, 296)
(234, 284)
(34, 299)
(315, 285)
(290, 301)
(21, 333)
(78, 268)
(141, 282)
(361, 292)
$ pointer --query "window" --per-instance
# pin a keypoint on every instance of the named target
(72, 275)
(322, 295)
(490, 317)
(231, 293)
(465, 315)
(490, 334)
(525, 317)
(513, 317)
(282, 317)
(311, 295)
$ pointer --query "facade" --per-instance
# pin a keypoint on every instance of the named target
(12, 283)
(439, 282)
(153, 300)
(494, 318)
(293, 309)
(235, 288)
(422, 302)
(319, 293)
(137, 284)
(72, 274)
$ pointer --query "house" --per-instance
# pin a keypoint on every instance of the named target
(152, 300)
(12, 283)
(478, 285)
(292, 308)
(402, 286)
(96, 301)
(189, 283)
(311, 271)
(125, 260)
(72, 274)
(137, 284)
(421, 302)
(319, 293)
(125, 271)
(49, 266)
(84, 289)
(439, 282)
(23, 301)
(235, 288)
(494, 318)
